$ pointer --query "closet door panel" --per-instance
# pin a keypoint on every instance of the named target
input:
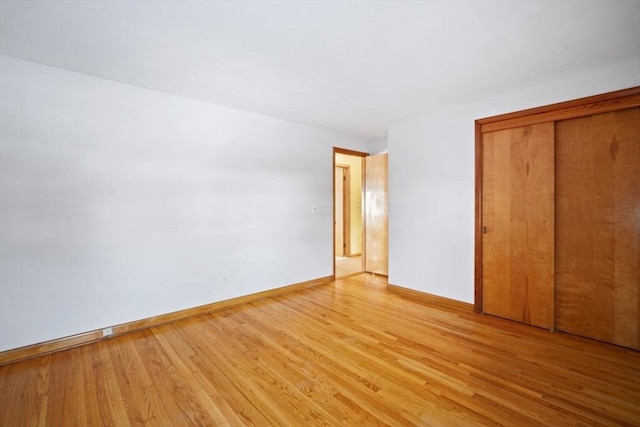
(598, 226)
(518, 224)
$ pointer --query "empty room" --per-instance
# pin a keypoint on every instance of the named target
(298, 213)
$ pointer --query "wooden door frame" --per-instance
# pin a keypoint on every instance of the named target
(348, 152)
(346, 207)
(603, 103)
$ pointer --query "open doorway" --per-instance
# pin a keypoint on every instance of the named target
(361, 209)
(348, 212)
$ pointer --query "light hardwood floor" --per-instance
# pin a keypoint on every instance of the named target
(348, 353)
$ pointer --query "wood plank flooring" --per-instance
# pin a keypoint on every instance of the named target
(347, 353)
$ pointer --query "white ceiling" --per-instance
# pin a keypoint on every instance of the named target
(349, 66)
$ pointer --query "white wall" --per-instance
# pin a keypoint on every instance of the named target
(378, 145)
(431, 178)
(118, 203)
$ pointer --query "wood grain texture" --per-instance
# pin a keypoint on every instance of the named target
(518, 215)
(602, 103)
(376, 214)
(598, 227)
(347, 353)
(26, 352)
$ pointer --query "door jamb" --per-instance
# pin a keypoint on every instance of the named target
(346, 207)
(348, 152)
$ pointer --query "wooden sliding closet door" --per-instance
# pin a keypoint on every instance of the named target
(518, 224)
(598, 226)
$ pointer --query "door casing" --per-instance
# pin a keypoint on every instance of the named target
(348, 152)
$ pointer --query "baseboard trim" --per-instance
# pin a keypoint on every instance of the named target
(378, 274)
(349, 275)
(430, 298)
(30, 351)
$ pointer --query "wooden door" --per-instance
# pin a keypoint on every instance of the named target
(518, 224)
(339, 212)
(376, 216)
(598, 227)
